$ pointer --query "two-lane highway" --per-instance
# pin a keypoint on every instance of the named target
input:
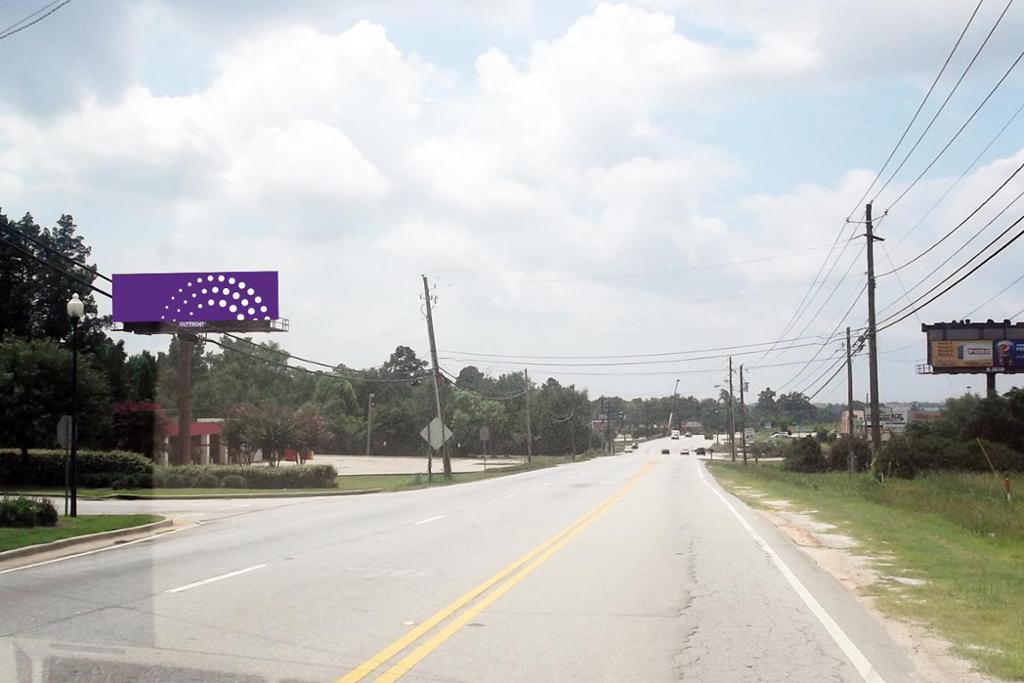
(636, 567)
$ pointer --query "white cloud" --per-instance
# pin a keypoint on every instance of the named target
(548, 190)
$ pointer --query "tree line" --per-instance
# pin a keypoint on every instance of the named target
(127, 400)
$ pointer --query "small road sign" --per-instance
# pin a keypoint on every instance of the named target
(64, 431)
(485, 434)
(436, 433)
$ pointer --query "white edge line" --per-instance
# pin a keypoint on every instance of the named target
(428, 519)
(220, 577)
(852, 652)
(93, 552)
(508, 496)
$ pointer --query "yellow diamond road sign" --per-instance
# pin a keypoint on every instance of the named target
(436, 433)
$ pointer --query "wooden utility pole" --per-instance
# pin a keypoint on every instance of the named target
(437, 378)
(876, 428)
(529, 428)
(743, 418)
(732, 416)
(182, 453)
(849, 399)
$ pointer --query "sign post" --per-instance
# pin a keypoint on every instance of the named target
(485, 436)
(436, 433)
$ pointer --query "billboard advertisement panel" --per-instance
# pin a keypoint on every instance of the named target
(961, 354)
(1008, 353)
(195, 298)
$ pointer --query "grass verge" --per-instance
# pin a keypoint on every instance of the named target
(67, 527)
(348, 482)
(954, 532)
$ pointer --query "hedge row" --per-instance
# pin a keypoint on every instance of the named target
(46, 467)
(27, 512)
(238, 476)
(906, 457)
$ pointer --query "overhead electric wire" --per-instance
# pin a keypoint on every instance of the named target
(917, 112)
(504, 397)
(952, 91)
(659, 373)
(58, 253)
(959, 225)
(54, 268)
(332, 368)
(640, 274)
(20, 25)
(527, 357)
(889, 322)
(961, 248)
(992, 298)
(963, 174)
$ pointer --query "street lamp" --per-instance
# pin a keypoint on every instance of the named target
(672, 413)
(76, 309)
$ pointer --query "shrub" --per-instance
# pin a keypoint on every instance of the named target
(134, 481)
(46, 467)
(206, 480)
(233, 481)
(288, 477)
(804, 455)
(838, 456)
(907, 456)
(27, 512)
(765, 449)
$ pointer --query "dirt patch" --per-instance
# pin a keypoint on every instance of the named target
(835, 553)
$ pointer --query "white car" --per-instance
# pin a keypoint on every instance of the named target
(780, 435)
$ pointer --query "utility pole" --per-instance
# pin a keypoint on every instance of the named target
(876, 430)
(437, 378)
(529, 430)
(743, 418)
(849, 399)
(369, 420)
(607, 420)
(732, 416)
(672, 413)
(183, 447)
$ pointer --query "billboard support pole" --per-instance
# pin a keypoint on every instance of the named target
(990, 385)
(183, 447)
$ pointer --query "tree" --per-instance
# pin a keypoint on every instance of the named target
(141, 376)
(403, 363)
(35, 388)
(766, 401)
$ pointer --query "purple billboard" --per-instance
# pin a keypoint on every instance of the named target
(185, 298)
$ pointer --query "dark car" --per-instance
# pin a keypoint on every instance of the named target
(701, 451)
(664, 451)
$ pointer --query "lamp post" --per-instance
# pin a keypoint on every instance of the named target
(76, 309)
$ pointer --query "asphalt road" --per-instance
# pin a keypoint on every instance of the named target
(634, 568)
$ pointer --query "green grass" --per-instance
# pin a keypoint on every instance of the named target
(954, 531)
(398, 482)
(67, 527)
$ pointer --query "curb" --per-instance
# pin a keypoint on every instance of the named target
(40, 548)
(228, 496)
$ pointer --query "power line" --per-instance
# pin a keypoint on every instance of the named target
(893, 320)
(963, 246)
(54, 268)
(58, 253)
(963, 174)
(520, 358)
(506, 397)
(963, 222)
(20, 25)
(939, 111)
(644, 274)
(928, 94)
(332, 368)
(992, 298)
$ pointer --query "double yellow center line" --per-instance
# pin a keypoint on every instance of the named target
(508, 577)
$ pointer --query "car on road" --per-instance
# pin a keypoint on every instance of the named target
(701, 451)
(664, 451)
(684, 451)
(675, 434)
(780, 435)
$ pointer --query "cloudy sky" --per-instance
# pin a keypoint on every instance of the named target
(576, 178)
